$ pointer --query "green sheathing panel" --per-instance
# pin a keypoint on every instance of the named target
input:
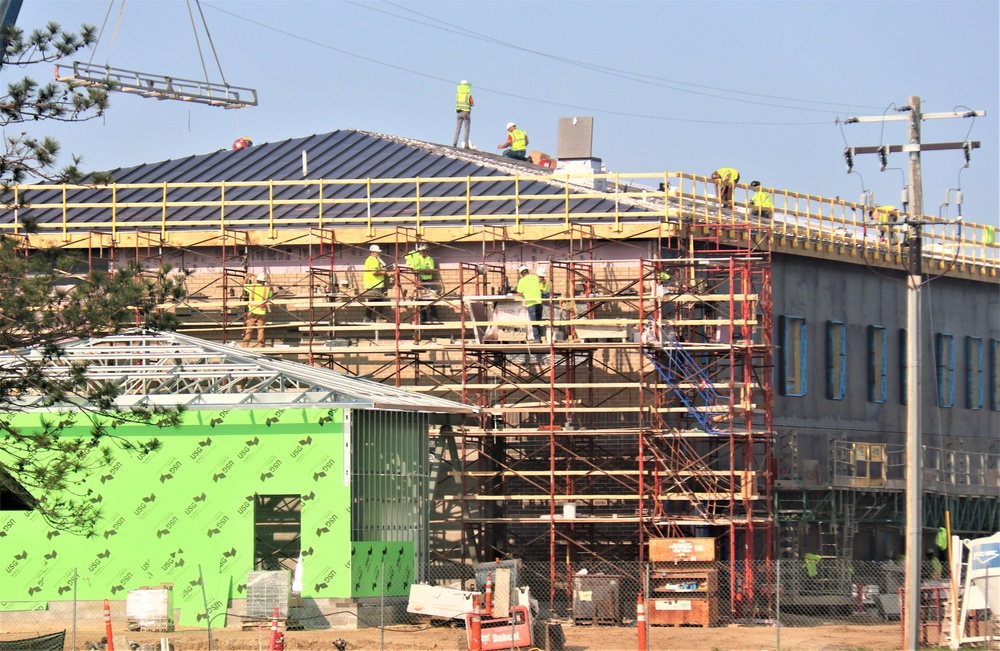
(381, 569)
(190, 504)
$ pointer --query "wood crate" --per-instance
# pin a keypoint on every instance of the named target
(693, 611)
(682, 550)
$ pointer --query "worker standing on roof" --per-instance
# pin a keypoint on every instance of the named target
(516, 145)
(374, 282)
(529, 288)
(463, 112)
(762, 204)
(725, 178)
(258, 304)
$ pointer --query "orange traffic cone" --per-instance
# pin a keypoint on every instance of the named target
(274, 633)
(640, 622)
(108, 633)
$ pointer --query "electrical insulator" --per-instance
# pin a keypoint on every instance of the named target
(849, 157)
(967, 149)
(883, 156)
(958, 198)
(947, 198)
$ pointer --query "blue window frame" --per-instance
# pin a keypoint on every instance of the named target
(792, 336)
(973, 373)
(995, 374)
(945, 354)
(877, 384)
(902, 367)
(836, 360)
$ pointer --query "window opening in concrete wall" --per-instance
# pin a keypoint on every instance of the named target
(836, 360)
(973, 373)
(945, 354)
(793, 355)
(877, 385)
(995, 374)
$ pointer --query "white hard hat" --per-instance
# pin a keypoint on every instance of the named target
(262, 278)
(422, 246)
(541, 272)
(511, 124)
(463, 82)
(374, 248)
(522, 269)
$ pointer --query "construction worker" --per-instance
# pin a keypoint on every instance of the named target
(932, 568)
(516, 145)
(810, 562)
(242, 143)
(374, 282)
(530, 289)
(762, 204)
(258, 304)
(725, 179)
(543, 281)
(885, 216)
(424, 265)
(463, 112)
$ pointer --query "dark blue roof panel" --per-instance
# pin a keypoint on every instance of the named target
(340, 155)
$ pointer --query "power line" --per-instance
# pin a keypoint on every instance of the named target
(642, 78)
(425, 75)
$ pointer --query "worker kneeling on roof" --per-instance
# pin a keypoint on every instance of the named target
(516, 145)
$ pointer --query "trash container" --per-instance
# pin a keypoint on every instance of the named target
(596, 599)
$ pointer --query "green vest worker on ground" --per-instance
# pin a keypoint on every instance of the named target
(463, 112)
(762, 204)
(516, 145)
(258, 304)
(530, 289)
(725, 178)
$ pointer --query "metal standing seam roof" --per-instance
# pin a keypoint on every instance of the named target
(340, 155)
(167, 368)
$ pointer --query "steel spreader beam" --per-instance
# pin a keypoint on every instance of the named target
(156, 86)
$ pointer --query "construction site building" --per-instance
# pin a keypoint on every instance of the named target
(704, 371)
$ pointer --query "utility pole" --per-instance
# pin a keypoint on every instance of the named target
(914, 223)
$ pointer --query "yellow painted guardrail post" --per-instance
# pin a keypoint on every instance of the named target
(114, 212)
(618, 189)
(163, 213)
(368, 193)
(517, 205)
(418, 205)
(270, 209)
(566, 185)
(222, 207)
(65, 217)
(666, 194)
(320, 200)
(468, 204)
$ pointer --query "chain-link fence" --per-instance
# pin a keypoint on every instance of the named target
(809, 592)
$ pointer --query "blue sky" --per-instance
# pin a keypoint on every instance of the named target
(672, 86)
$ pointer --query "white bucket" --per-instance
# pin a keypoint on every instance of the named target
(569, 510)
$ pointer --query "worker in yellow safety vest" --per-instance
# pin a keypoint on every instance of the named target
(374, 281)
(885, 216)
(424, 265)
(516, 145)
(811, 564)
(725, 179)
(761, 202)
(529, 288)
(463, 112)
(258, 296)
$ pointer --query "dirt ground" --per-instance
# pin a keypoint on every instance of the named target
(578, 638)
